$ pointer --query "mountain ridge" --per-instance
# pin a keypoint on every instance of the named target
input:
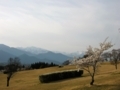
(34, 50)
(28, 57)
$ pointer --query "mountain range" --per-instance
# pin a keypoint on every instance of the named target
(28, 56)
(33, 50)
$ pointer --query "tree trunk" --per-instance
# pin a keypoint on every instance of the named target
(8, 78)
(116, 66)
(91, 83)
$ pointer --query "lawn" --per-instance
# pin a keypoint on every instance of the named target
(107, 78)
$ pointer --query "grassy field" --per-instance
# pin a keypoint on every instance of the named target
(107, 78)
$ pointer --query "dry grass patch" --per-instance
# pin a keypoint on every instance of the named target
(107, 78)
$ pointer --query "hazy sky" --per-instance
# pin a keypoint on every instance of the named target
(59, 25)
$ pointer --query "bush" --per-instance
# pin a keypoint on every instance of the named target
(5, 72)
(55, 76)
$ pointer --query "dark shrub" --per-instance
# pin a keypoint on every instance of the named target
(45, 78)
(5, 72)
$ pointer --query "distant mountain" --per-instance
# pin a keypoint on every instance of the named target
(33, 50)
(75, 54)
(47, 55)
(28, 57)
(14, 51)
(4, 56)
(53, 56)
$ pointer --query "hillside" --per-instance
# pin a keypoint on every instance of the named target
(26, 59)
(13, 51)
(4, 56)
(107, 78)
(53, 56)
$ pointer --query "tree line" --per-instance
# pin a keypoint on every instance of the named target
(39, 65)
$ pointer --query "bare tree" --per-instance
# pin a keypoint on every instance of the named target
(11, 68)
(106, 56)
(115, 57)
(93, 59)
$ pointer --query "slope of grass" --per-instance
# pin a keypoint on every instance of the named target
(107, 78)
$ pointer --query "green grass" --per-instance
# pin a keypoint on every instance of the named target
(107, 78)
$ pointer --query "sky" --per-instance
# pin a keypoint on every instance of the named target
(59, 25)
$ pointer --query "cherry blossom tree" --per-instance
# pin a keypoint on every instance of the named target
(93, 59)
